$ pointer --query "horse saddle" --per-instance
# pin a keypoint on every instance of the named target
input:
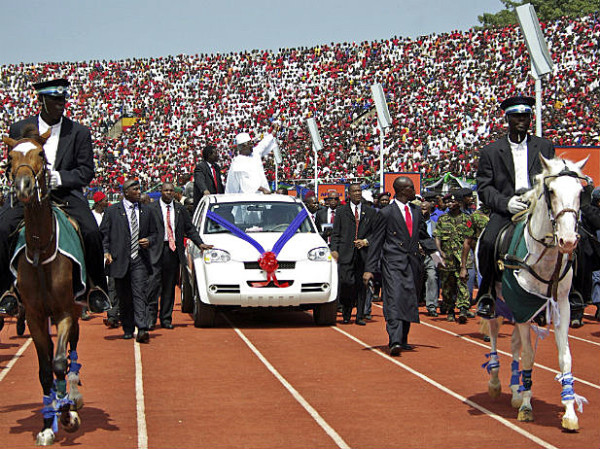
(501, 247)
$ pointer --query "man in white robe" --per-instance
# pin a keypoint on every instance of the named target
(246, 173)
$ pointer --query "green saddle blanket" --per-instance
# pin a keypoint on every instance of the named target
(524, 305)
(69, 245)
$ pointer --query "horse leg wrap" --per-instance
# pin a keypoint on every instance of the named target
(515, 375)
(49, 411)
(492, 363)
(526, 379)
(74, 367)
(568, 392)
(60, 387)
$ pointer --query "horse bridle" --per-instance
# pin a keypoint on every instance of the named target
(584, 198)
(36, 175)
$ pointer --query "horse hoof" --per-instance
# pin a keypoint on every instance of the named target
(70, 421)
(494, 389)
(45, 438)
(575, 324)
(570, 425)
(525, 415)
(516, 402)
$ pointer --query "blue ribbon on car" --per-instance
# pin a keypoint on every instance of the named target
(268, 259)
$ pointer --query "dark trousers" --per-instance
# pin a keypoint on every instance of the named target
(352, 289)
(163, 283)
(10, 217)
(132, 291)
(113, 312)
(485, 255)
(397, 331)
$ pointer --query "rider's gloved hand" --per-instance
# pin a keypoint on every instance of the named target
(515, 205)
(55, 180)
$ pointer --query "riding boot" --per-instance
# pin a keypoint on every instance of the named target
(9, 303)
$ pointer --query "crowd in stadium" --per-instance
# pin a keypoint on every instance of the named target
(443, 94)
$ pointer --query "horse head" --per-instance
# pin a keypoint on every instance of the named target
(27, 164)
(561, 186)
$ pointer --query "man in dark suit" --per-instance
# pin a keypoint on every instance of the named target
(312, 204)
(207, 175)
(174, 223)
(352, 229)
(506, 168)
(394, 248)
(71, 163)
(129, 231)
(326, 215)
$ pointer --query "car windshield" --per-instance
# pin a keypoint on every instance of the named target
(257, 217)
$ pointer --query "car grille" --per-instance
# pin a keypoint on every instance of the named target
(282, 265)
(271, 284)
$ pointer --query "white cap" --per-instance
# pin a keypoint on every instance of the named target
(242, 138)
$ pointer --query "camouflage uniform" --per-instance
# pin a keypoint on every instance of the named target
(451, 232)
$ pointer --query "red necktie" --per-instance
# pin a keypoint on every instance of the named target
(332, 216)
(170, 235)
(215, 178)
(357, 222)
(408, 219)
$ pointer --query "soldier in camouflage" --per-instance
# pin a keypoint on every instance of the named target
(450, 233)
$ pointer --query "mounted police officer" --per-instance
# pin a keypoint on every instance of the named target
(506, 167)
(71, 164)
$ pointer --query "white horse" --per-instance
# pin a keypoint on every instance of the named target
(541, 276)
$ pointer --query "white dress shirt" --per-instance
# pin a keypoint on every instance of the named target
(127, 204)
(51, 145)
(163, 207)
(519, 154)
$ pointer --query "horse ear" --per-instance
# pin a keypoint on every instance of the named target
(545, 163)
(44, 137)
(582, 162)
(8, 141)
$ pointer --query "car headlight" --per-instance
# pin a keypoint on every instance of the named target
(321, 254)
(216, 256)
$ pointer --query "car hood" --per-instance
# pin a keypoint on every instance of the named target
(295, 249)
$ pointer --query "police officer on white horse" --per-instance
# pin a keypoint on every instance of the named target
(506, 166)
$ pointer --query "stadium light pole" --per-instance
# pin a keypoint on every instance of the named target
(541, 60)
(384, 121)
(317, 145)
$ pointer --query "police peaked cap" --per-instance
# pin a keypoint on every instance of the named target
(518, 105)
(55, 88)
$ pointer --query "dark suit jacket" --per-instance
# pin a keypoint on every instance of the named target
(321, 216)
(203, 180)
(183, 228)
(74, 156)
(392, 251)
(344, 230)
(116, 238)
(496, 172)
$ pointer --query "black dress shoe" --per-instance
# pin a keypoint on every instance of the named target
(407, 347)
(127, 336)
(432, 313)
(111, 323)
(98, 301)
(360, 322)
(368, 317)
(486, 308)
(9, 304)
(395, 349)
(143, 336)
(166, 326)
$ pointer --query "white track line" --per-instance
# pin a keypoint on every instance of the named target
(508, 354)
(139, 399)
(16, 357)
(446, 390)
(303, 402)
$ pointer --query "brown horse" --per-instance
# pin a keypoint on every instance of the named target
(44, 281)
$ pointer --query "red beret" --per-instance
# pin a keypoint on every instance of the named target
(98, 196)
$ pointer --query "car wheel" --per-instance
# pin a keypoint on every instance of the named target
(187, 299)
(204, 314)
(325, 314)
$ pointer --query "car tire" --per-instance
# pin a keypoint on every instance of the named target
(204, 314)
(325, 314)
(187, 298)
